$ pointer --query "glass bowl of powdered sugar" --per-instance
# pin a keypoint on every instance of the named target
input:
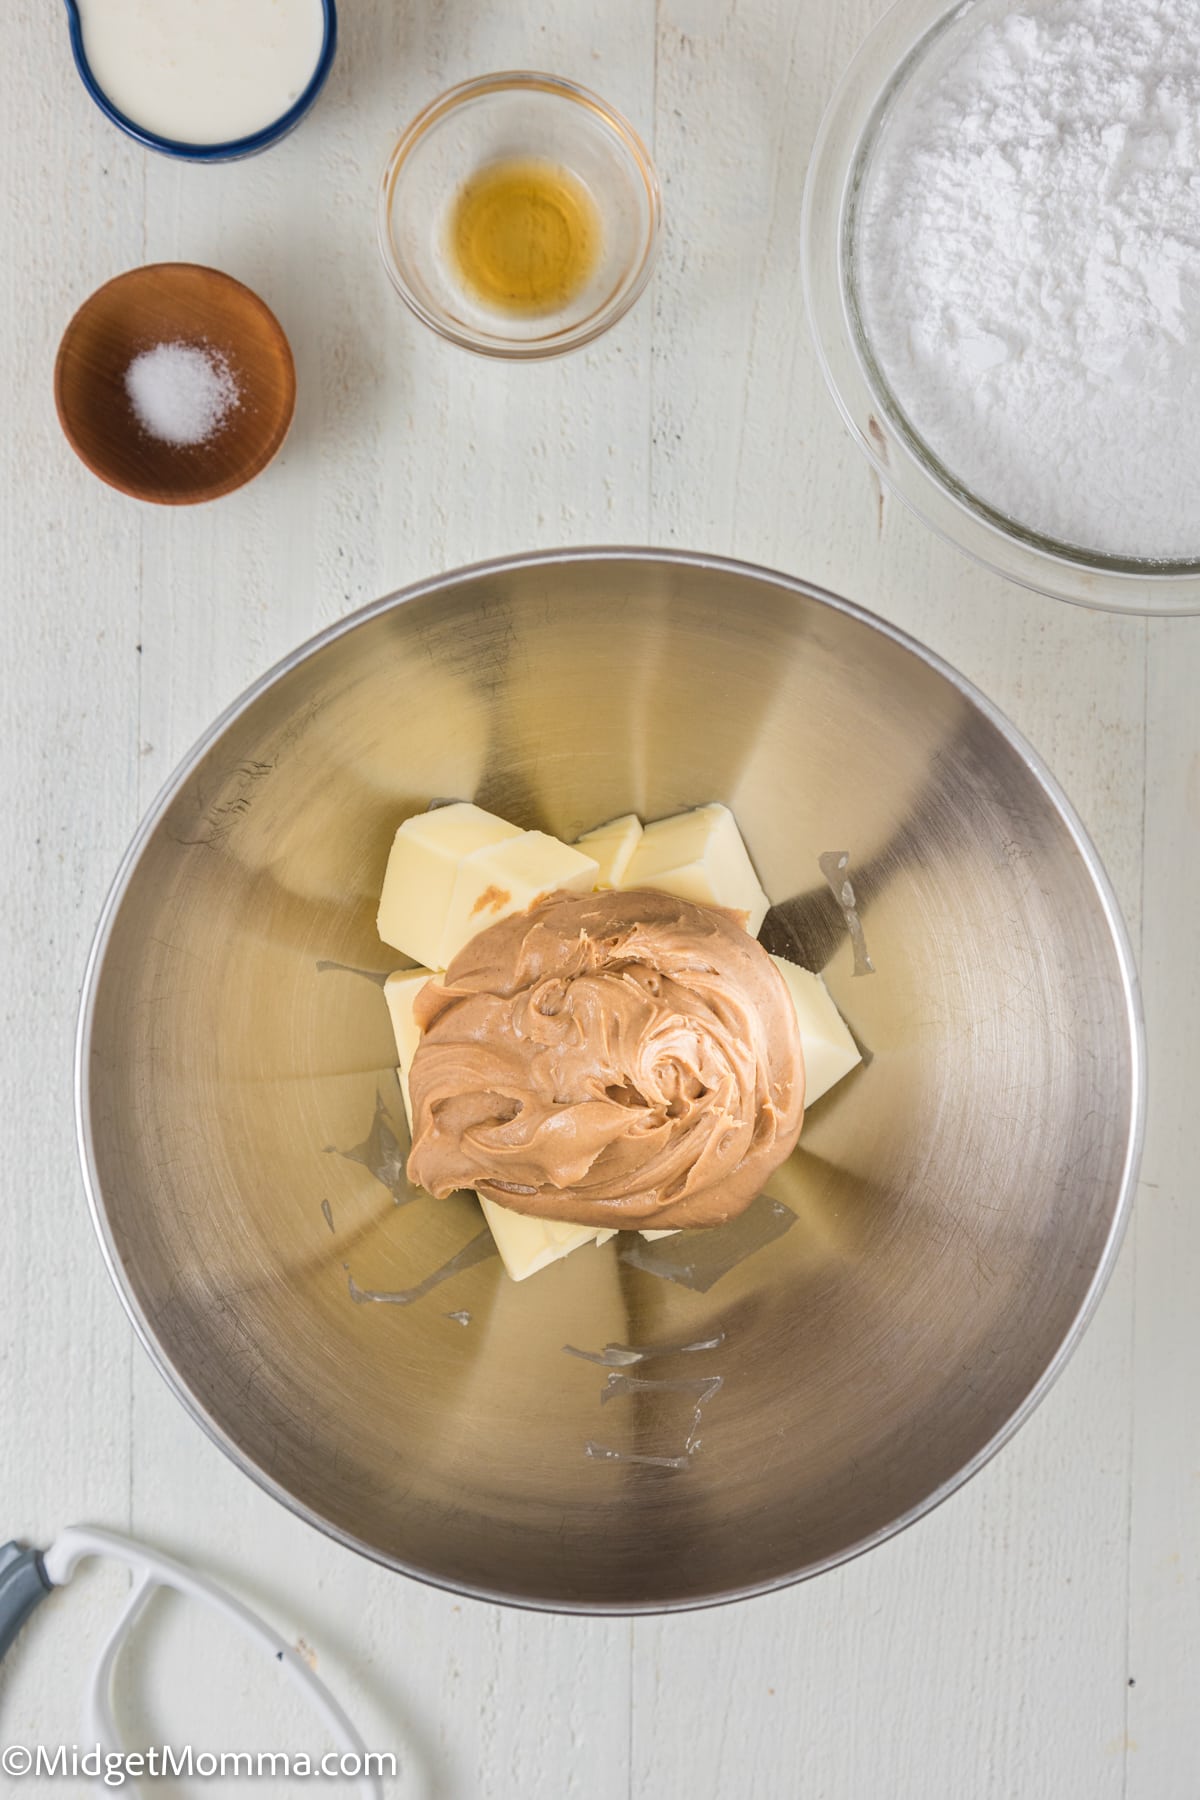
(1001, 250)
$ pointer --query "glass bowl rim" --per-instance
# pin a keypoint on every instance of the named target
(583, 331)
(847, 132)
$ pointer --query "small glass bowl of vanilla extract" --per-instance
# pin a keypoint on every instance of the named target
(519, 215)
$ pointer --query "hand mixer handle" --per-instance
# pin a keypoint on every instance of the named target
(24, 1584)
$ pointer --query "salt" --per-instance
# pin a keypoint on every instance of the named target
(181, 393)
(1027, 265)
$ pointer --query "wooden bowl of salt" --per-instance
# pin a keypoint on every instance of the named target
(175, 383)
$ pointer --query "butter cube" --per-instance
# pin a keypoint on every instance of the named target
(423, 872)
(612, 845)
(510, 877)
(829, 1050)
(527, 1245)
(400, 991)
(457, 869)
(699, 855)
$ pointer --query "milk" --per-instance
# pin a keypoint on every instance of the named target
(203, 71)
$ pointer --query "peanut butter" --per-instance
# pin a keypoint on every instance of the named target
(620, 1059)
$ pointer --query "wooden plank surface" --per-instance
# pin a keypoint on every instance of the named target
(989, 1652)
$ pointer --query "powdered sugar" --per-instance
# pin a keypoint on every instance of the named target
(1027, 265)
(181, 393)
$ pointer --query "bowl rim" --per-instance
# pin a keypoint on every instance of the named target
(230, 149)
(855, 109)
(601, 319)
(214, 490)
(541, 561)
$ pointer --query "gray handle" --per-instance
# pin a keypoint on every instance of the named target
(23, 1584)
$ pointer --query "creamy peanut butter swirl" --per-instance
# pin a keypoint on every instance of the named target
(615, 1059)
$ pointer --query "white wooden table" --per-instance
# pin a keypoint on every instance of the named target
(1038, 1638)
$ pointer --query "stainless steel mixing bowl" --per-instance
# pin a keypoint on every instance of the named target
(868, 1335)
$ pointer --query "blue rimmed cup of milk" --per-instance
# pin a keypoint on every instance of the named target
(208, 83)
